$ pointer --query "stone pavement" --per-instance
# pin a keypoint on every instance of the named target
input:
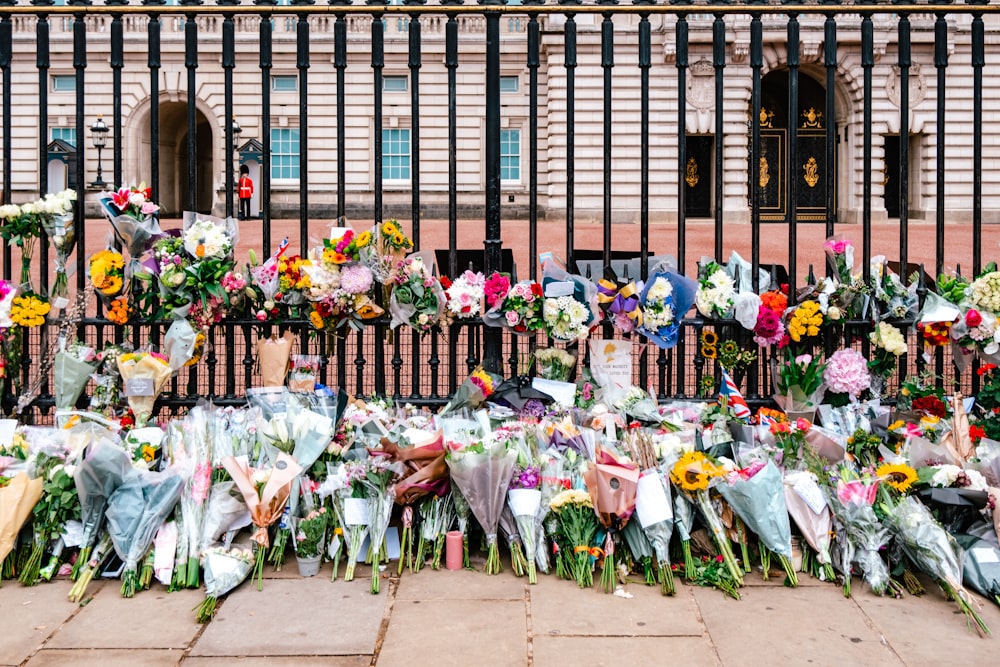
(465, 618)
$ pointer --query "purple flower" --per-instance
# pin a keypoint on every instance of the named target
(356, 278)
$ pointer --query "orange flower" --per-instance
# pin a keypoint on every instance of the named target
(119, 312)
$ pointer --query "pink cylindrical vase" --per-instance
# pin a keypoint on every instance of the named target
(454, 550)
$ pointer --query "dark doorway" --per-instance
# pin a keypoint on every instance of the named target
(698, 177)
(890, 167)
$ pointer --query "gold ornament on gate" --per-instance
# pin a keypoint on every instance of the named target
(691, 173)
(811, 168)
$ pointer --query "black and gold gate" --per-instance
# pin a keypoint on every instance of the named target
(809, 166)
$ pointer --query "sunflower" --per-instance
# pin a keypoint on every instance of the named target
(708, 351)
(363, 239)
(389, 228)
(709, 338)
(198, 350)
(897, 475)
(729, 347)
(693, 472)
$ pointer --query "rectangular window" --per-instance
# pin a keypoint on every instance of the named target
(509, 84)
(395, 155)
(63, 83)
(284, 84)
(394, 84)
(67, 134)
(284, 154)
(510, 155)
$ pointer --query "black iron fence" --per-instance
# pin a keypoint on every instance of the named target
(94, 48)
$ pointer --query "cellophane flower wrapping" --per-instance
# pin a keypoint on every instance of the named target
(135, 511)
(274, 353)
(135, 224)
(417, 297)
(665, 299)
(865, 536)
(815, 526)
(481, 468)
(225, 569)
(59, 224)
(569, 308)
(473, 392)
(716, 290)
(524, 505)
(518, 308)
(654, 512)
(194, 456)
(71, 370)
(553, 363)
(465, 295)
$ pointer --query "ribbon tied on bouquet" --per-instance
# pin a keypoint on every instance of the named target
(620, 301)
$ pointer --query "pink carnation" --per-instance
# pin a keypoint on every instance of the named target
(769, 329)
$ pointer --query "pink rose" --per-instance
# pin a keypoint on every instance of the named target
(512, 318)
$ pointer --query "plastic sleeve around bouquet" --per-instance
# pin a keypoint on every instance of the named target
(228, 226)
(70, 375)
(482, 480)
(683, 294)
(584, 291)
(760, 502)
(225, 571)
(926, 543)
(136, 510)
(474, 391)
(814, 526)
(133, 233)
(223, 512)
(273, 353)
(981, 565)
(265, 508)
(105, 468)
(408, 298)
(867, 535)
(180, 343)
(17, 499)
(654, 512)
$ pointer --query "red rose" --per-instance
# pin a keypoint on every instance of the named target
(973, 318)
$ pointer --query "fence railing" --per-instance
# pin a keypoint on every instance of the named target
(610, 101)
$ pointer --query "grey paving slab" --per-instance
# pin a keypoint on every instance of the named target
(294, 617)
(106, 658)
(456, 633)
(460, 585)
(646, 613)
(294, 661)
(29, 615)
(791, 626)
(615, 651)
(152, 619)
(929, 630)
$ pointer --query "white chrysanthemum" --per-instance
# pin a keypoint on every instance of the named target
(205, 239)
(660, 289)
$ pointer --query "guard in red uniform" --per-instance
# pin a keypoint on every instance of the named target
(245, 192)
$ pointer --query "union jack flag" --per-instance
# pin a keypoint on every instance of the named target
(734, 397)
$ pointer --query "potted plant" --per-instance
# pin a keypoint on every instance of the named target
(309, 538)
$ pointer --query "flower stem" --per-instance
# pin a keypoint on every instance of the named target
(493, 564)
(406, 560)
(81, 563)
(666, 577)
(688, 560)
(130, 580)
(791, 579)
(205, 612)
(29, 575)
(260, 554)
(438, 551)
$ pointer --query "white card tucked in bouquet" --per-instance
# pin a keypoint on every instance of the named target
(809, 491)
(651, 503)
(356, 511)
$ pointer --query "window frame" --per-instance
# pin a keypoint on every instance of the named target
(275, 143)
(397, 182)
(520, 155)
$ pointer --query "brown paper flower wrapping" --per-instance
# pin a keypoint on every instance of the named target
(17, 499)
(612, 485)
(273, 354)
(267, 507)
(425, 470)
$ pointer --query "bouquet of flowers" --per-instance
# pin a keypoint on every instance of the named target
(809, 509)
(340, 287)
(368, 481)
(465, 295)
(890, 345)
(56, 217)
(417, 298)
(264, 277)
(72, 367)
(570, 304)
(898, 300)
(653, 507)
(225, 569)
(620, 302)
(107, 272)
(840, 255)
(19, 226)
(799, 384)
(519, 309)
(552, 363)
(756, 495)
(693, 474)
(265, 491)
(716, 290)
(473, 392)
(135, 511)
(611, 482)
(144, 375)
(58, 504)
(273, 354)
(769, 329)
(387, 248)
(133, 217)
(664, 300)
(863, 536)
(847, 373)
(310, 533)
(524, 498)
(481, 467)
(576, 531)
(17, 500)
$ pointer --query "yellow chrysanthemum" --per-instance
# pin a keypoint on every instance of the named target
(29, 311)
(693, 472)
(570, 497)
(315, 319)
(897, 475)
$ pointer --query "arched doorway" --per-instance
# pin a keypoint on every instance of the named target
(174, 195)
(809, 164)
